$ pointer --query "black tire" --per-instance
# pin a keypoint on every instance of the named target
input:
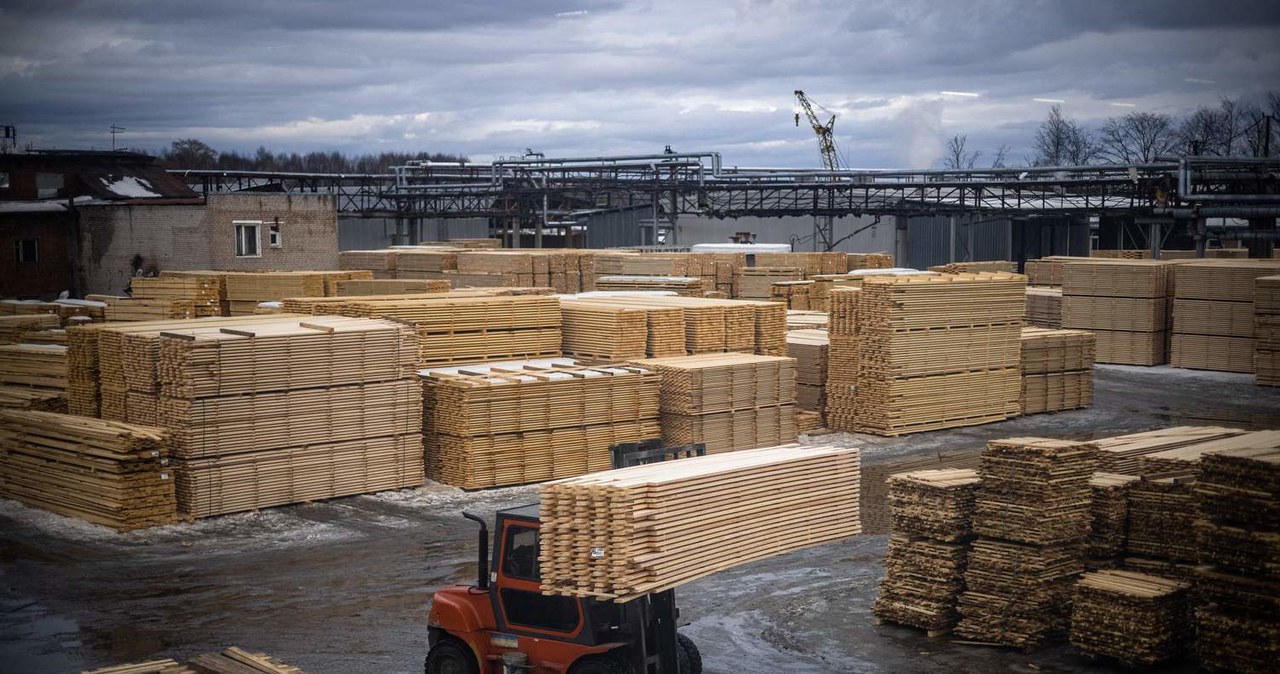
(688, 656)
(451, 656)
(601, 664)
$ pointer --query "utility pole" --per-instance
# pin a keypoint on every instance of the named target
(114, 130)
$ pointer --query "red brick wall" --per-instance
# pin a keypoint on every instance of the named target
(51, 273)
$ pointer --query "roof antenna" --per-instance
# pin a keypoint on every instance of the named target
(114, 130)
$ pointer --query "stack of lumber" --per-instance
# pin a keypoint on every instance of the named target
(1162, 516)
(663, 327)
(283, 410)
(716, 326)
(1131, 254)
(245, 290)
(1109, 513)
(877, 518)
(218, 278)
(808, 423)
(1057, 369)
(12, 327)
(1213, 313)
(231, 661)
(1209, 253)
(103, 472)
(807, 320)
(869, 260)
(1239, 538)
(201, 291)
(501, 268)
(27, 398)
(1032, 516)
(475, 244)
(1124, 303)
(381, 263)
(686, 286)
(755, 283)
(661, 264)
(1185, 459)
(623, 533)
(425, 262)
(454, 329)
(122, 309)
(729, 401)
(924, 566)
(1266, 321)
(1121, 453)
(809, 348)
(938, 351)
(37, 365)
(842, 359)
(514, 423)
(809, 264)
(54, 336)
(937, 504)
(820, 291)
(390, 287)
(971, 267)
(1044, 307)
(794, 294)
(1131, 617)
(1047, 271)
(605, 333)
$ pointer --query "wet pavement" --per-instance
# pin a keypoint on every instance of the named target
(342, 586)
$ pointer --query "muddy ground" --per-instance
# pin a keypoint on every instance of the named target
(342, 587)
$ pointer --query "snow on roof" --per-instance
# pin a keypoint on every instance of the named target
(741, 248)
(32, 206)
(130, 186)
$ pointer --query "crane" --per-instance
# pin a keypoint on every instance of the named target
(824, 225)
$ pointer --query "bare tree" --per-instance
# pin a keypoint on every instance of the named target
(1136, 138)
(1061, 141)
(958, 157)
(190, 153)
(1001, 156)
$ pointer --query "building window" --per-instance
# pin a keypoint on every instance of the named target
(48, 185)
(247, 238)
(28, 250)
(273, 235)
(4, 180)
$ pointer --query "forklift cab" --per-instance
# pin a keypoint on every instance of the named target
(505, 619)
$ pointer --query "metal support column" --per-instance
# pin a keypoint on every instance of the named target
(1259, 247)
(900, 241)
(1201, 236)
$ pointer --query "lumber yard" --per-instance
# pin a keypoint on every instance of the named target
(469, 458)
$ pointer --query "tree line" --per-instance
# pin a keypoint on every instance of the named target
(190, 153)
(1233, 128)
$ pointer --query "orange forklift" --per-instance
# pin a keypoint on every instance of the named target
(504, 624)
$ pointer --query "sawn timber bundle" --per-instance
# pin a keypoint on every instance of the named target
(623, 533)
(1131, 617)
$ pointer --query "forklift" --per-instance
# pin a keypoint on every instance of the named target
(504, 624)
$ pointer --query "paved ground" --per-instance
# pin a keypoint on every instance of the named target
(342, 587)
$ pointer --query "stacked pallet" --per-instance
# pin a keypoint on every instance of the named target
(794, 294)
(1044, 307)
(390, 287)
(1131, 617)
(977, 266)
(201, 291)
(809, 349)
(41, 366)
(231, 661)
(623, 533)
(1239, 537)
(938, 351)
(454, 329)
(1213, 313)
(1266, 321)
(285, 410)
(104, 472)
(12, 327)
(730, 401)
(1057, 370)
(756, 283)
(686, 286)
(1124, 303)
(515, 423)
(1032, 516)
(842, 359)
(1109, 516)
(381, 263)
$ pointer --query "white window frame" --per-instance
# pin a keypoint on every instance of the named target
(17, 253)
(275, 237)
(4, 180)
(239, 229)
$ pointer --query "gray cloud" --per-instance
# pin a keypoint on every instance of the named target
(484, 77)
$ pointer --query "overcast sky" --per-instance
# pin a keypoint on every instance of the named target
(487, 78)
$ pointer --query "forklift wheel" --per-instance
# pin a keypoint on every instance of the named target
(689, 659)
(450, 656)
(607, 664)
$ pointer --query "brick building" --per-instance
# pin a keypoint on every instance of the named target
(86, 222)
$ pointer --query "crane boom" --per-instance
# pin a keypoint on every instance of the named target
(825, 132)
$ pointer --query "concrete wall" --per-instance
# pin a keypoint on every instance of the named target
(691, 230)
(373, 233)
(308, 227)
(155, 237)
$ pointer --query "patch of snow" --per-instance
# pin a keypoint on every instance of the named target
(1165, 371)
(31, 206)
(130, 186)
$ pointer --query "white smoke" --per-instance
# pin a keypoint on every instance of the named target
(918, 132)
